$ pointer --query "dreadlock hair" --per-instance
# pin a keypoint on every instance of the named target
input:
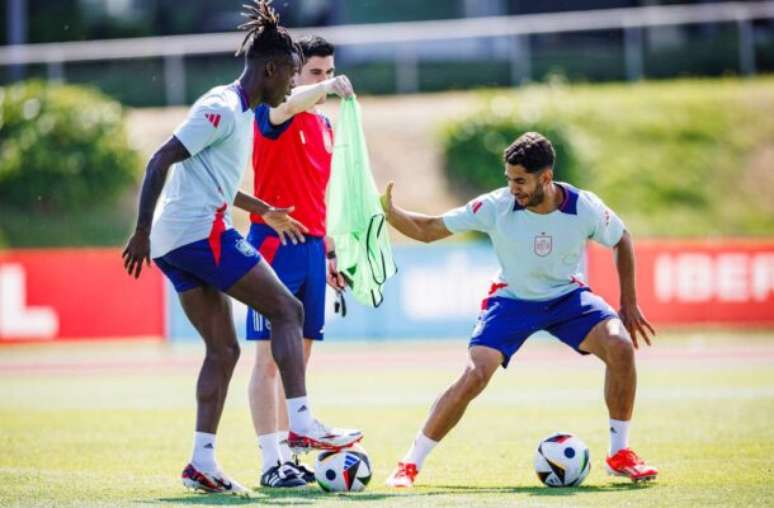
(314, 45)
(531, 150)
(265, 37)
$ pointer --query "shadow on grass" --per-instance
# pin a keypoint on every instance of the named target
(275, 497)
(536, 490)
(309, 496)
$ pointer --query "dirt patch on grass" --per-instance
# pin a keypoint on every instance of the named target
(759, 178)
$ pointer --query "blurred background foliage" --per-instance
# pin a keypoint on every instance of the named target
(681, 158)
(64, 161)
(674, 158)
(473, 150)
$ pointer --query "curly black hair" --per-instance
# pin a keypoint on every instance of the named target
(531, 150)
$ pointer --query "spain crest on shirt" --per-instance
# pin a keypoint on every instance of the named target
(543, 245)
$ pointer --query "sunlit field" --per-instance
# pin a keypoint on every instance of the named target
(112, 424)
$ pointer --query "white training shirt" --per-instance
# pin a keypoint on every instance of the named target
(541, 255)
(218, 135)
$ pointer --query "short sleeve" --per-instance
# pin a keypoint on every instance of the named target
(478, 215)
(605, 227)
(265, 127)
(208, 122)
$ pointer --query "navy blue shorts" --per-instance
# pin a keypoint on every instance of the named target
(505, 323)
(302, 269)
(193, 265)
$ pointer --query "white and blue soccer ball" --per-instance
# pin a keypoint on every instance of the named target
(348, 470)
(562, 460)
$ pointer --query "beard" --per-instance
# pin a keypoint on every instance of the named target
(536, 198)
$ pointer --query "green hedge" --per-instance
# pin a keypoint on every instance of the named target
(675, 158)
(474, 151)
(63, 153)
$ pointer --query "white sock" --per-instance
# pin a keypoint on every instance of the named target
(284, 450)
(619, 435)
(419, 451)
(203, 457)
(270, 451)
(299, 415)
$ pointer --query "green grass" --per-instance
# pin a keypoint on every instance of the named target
(111, 425)
(688, 157)
(108, 225)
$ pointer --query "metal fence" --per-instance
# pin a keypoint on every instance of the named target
(403, 40)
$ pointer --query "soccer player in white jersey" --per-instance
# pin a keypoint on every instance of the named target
(191, 239)
(539, 228)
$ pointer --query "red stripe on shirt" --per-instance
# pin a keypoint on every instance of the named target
(492, 290)
(218, 227)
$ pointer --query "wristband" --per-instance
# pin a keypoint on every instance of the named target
(331, 254)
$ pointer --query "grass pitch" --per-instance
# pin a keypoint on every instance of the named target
(111, 424)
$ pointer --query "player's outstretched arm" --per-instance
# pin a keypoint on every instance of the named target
(424, 228)
(630, 312)
(305, 97)
(278, 219)
(138, 248)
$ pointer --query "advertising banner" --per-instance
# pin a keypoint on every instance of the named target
(695, 282)
(438, 289)
(61, 294)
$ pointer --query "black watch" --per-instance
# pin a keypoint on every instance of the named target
(331, 254)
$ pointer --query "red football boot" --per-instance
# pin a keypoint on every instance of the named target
(626, 463)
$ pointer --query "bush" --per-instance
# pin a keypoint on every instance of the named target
(62, 149)
(473, 151)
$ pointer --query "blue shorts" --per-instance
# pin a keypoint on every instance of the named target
(302, 269)
(193, 265)
(505, 323)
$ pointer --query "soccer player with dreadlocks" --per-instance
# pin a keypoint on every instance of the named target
(191, 239)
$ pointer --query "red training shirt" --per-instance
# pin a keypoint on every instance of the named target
(292, 165)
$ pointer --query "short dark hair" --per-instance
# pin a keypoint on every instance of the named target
(531, 150)
(314, 45)
(265, 38)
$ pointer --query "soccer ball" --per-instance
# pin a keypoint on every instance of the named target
(348, 470)
(562, 460)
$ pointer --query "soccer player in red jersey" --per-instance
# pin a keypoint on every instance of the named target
(292, 155)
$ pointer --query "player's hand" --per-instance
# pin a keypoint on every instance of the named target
(386, 200)
(334, 277)
(342, 87)
(286, 226)
(137, 250)
(636, 324)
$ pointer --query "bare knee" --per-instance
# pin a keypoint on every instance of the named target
(619, 352)
(289, 311)
(473, 382)
(225, 355)
(265, 368)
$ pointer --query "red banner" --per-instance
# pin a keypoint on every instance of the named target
(696, 282)
(85, 294)
(77, 294)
